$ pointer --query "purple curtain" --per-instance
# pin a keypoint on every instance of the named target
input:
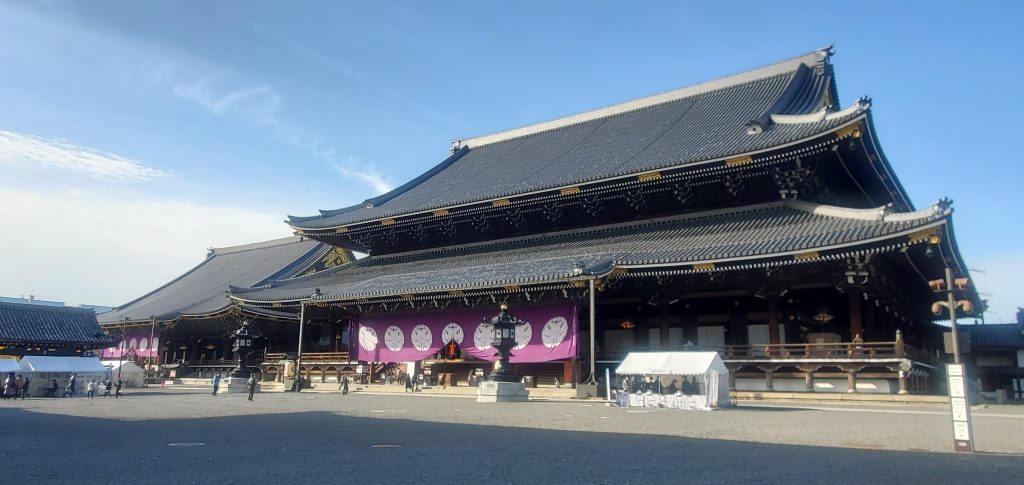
(549, 332)
(136, 342)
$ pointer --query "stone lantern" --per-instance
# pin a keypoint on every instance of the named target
(502, 386)
(244, 346)
(504, 340)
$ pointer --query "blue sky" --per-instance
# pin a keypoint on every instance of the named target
(134, 135)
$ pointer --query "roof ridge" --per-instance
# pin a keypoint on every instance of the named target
(34, 307)
(881, 213)
(258, 245)
(815, 57)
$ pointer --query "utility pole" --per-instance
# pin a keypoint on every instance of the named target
(956, 375)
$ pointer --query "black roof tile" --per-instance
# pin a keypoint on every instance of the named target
(21, 323)
(704, 122)
(747, 233)
(203, 289)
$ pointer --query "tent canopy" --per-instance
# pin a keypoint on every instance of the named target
(9, 365)
(671, 363)
(45, 363)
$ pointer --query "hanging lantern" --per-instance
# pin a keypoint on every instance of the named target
(823, 316)
(627, 325)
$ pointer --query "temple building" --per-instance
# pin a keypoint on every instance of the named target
(752, 215)
(185, 324)
(47, 330)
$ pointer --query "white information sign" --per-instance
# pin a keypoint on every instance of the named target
(961, 431)
(959, 407)
(956, 386)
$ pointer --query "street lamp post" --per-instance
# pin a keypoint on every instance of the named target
(124, 348)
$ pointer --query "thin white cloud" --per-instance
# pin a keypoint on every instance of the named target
(33, 153)
(223, 93)
(108, 249)
(379, 183)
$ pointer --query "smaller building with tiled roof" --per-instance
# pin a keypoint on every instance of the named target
(49, 330)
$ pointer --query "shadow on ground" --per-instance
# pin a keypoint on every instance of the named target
(331, 447)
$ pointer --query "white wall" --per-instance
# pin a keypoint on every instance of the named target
(787, 384)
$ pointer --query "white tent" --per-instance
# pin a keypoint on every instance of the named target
(706, 367)
(43, 369)
(131, 374)
(7, 366)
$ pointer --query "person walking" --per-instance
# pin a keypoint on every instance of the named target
(216, 383)
(409, 386)
(91, 390)
(24, 388)
(54, 387)
(19, 385)
(106, 387)
(117, 388)
(72, 385)
(8, 386)
(252, 385)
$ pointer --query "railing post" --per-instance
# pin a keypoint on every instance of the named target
(901, 352)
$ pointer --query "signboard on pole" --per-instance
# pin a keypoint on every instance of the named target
(963, 439)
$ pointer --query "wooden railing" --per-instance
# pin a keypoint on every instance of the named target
(309, 357)
(313, 357)
(841, 350)
(824, 351)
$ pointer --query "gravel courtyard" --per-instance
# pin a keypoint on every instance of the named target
(188, 436)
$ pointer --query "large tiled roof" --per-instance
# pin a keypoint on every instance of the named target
(21, 323)
(731, 236)
(788, 101)
(203, 289)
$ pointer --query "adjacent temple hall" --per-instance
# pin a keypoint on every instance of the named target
(753, 215)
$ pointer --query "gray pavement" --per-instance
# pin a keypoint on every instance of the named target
(182, 436)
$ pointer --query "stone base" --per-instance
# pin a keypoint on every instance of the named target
(232, 385)
(491, 391)
(584, 391)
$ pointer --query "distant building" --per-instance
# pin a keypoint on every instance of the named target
(995, 355)
(32, 300)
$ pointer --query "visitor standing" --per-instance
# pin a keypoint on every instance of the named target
(72, 383)
(54, 387)
(252, 385)
(24, 388)
(216, 383)
(91, 390)
(19, 384)
(344, 385)
(117, 388)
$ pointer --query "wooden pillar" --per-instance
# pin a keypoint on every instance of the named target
(738, 326)
(773, 319)
(663, 320)
(732, 379)
(227, 349)
(870, 334)
(856, 302)
(769, 380)
(567, 371)
(851, 381)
